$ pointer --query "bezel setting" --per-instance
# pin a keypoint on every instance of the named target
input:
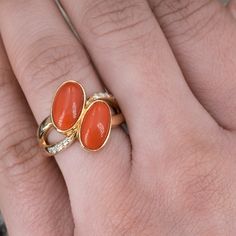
(74, 133)
(88, 105)
(70, 130)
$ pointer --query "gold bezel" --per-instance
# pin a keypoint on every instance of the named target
(74, 133)
(87, 107)
(70, 130)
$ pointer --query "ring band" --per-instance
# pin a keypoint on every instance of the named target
(87, 120)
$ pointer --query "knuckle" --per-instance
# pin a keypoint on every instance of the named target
(19, 149)
(53, 64)
(106, 18)
(17, 144)
(186, 19)
(179, 8)
(8, 85)
(5, 84)
(5, 74)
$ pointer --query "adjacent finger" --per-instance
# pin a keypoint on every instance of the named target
(44, 53)
(33, 195)
(202, 35)
(232, 7)
(136, 63)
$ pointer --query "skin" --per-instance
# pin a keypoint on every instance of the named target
(171, 65)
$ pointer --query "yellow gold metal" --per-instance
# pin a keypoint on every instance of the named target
(74, 133)
(52, 149)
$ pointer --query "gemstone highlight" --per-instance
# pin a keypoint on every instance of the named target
(67, 105)
(96, 126)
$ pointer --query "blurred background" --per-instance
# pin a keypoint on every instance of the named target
(3, 231)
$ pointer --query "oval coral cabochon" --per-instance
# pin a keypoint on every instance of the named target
(67, 105)
(96, 126)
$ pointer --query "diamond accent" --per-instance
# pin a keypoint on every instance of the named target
(98, 96)
(54, 149)
(101, 95)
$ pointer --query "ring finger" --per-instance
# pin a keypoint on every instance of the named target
(44, 53)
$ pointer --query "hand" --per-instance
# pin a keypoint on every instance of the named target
(171, 66)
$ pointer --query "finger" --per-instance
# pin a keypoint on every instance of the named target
(44, 53)
(32, 188)
(202, 35)
(232, 7)
(136, 63)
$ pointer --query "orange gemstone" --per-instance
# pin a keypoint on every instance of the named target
(67, 105)
(95, 126)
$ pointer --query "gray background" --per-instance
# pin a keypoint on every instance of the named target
(2, 227)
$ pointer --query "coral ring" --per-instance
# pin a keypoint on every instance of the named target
(87, 120)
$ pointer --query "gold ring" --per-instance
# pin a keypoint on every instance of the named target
(88, 120)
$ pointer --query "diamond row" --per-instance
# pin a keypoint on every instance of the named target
(54, 149)
(100, 96)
